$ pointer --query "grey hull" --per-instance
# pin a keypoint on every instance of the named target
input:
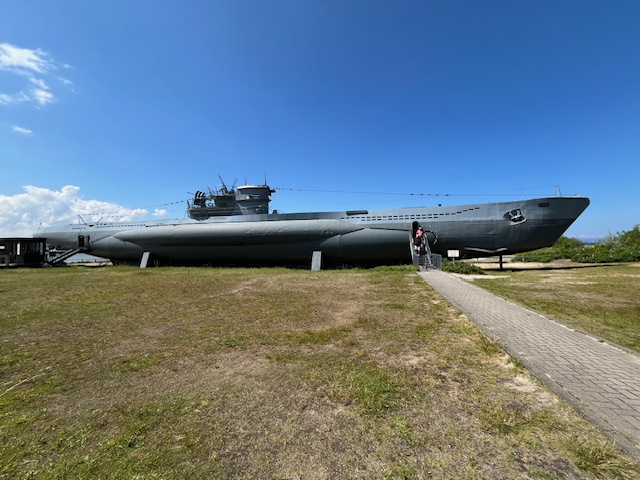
(376, 236)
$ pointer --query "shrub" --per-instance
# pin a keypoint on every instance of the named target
(621, 247)
(461, 267)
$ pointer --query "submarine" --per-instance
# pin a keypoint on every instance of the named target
(234, 226)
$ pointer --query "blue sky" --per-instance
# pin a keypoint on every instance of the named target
(126, 106)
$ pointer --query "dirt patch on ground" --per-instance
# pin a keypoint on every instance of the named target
(553, 265)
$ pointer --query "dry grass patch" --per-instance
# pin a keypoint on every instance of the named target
(602, 300)
(268, 373)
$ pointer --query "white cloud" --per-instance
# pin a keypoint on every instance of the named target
(33, 64)
(41, 92)
(39, 83)
(19, 97)
(24, 131)
(24, 61)
(42, 96)
(22, 214)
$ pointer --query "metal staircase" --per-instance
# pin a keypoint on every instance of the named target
(63, 256)
(422, 256)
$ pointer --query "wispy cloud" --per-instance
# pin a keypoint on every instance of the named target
(22, 214)
(34, 64)
(23, 131)
(42, 96)
(19, 97)
(24, 61)
(39, 83)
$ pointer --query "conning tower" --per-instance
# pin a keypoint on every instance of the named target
(245, 200)
(254, 199)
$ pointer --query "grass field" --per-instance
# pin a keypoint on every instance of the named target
(602, 300)
(173, 373)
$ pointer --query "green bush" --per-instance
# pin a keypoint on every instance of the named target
(604, 254)
(461, 267)
(621, 247)
(542, 255)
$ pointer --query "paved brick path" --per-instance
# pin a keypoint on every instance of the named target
(600, 380)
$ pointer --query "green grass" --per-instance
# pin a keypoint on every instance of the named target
(268, 373)
(601, 300)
